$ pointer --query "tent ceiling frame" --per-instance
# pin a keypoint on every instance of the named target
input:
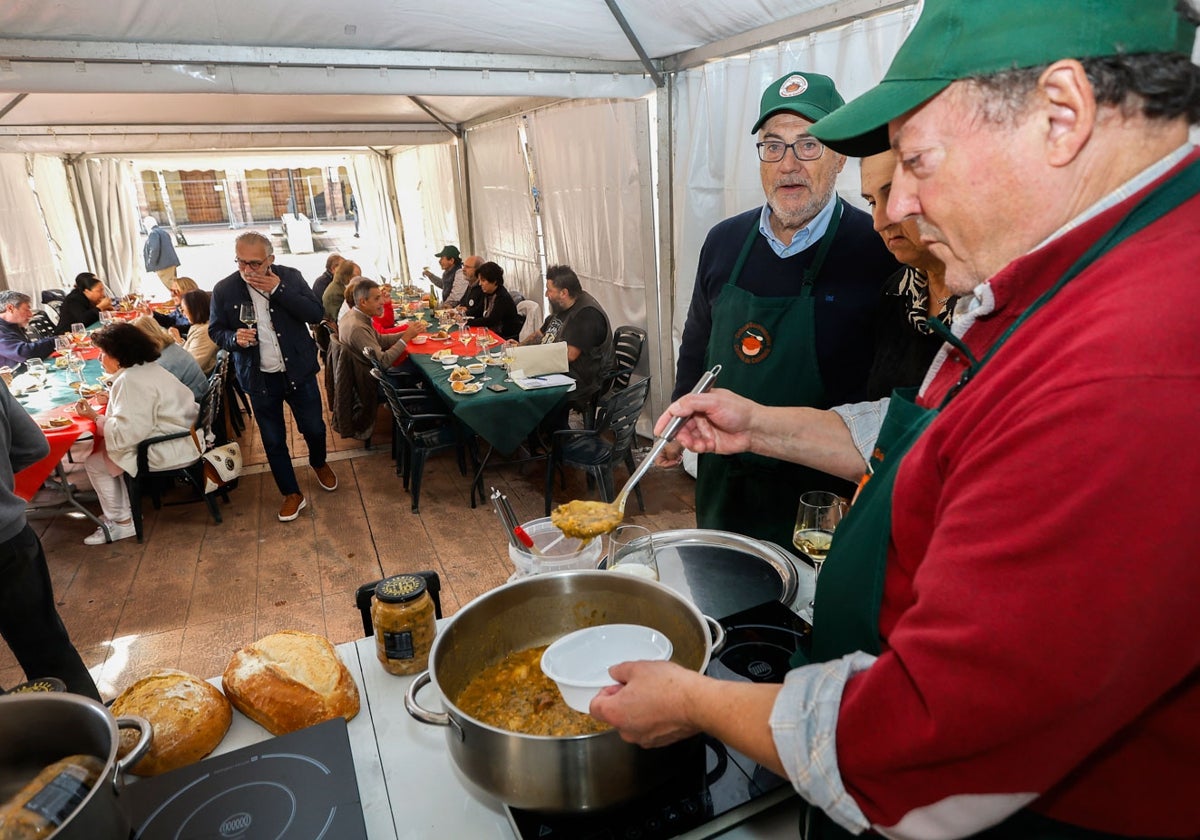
(120, 52)
(634, 42)
(227, 128)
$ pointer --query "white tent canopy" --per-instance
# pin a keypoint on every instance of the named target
(629, 117)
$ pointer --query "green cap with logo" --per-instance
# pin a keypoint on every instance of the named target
(449, 251)
(956, 39)
(810, 95)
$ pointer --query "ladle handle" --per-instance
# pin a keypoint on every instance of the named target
(668, 434)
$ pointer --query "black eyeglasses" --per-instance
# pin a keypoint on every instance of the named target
(254, 264)
(806, 148)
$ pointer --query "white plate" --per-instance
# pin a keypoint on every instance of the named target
(579, 661)
(469, 388)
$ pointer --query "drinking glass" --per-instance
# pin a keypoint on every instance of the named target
(816, 519)
(248, 316)
(78, 332)
(631, 552)
(106, 316)
(37, 371)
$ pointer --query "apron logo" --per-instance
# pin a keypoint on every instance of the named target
(752, 343)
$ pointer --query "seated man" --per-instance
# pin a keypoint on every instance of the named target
(579, 320)
(16, 309)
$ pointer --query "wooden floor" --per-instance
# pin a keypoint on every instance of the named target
(196, 591)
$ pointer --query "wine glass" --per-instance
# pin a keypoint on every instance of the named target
(79, 332)
(816, 519)
(36, 368)
(75, 364)
(248, 316)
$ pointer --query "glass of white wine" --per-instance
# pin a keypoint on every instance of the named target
(816, 519)
(248, 316)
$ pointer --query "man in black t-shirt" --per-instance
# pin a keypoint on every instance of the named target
(579, 320)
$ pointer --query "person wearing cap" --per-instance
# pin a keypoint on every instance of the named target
(785, 299)
(1005, 641)
(453, 281)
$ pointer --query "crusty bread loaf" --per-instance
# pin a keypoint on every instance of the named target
(189, 718)
(290, 680)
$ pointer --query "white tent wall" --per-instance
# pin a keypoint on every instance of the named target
(596, 182)
(26, 261)
(107, 213)
(502, 205)
(379, 254)
(426, 195)
(716, 171)
(54, 200)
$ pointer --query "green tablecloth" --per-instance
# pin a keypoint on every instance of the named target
(57, 392)
(502, 419)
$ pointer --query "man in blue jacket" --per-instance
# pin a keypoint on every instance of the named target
(275, 359)
(159, 252)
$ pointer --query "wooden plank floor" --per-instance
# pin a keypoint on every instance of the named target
(196, 591)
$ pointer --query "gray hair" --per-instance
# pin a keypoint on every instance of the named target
(253, 237)
(13, 298)
(362, 288)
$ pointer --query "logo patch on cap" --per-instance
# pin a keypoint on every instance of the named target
(793, 85)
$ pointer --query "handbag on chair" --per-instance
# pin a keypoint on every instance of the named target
(222, 466)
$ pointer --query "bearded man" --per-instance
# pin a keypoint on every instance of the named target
(784, 301)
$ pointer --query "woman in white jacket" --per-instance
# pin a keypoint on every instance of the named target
(144, 401)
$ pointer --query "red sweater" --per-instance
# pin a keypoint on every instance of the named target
(1041, 611)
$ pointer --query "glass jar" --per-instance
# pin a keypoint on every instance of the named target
(403, 617)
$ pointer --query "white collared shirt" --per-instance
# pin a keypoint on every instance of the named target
(804, 238)
(270, 356)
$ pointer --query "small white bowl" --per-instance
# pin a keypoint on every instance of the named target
(421, 339)
(579, 661)
(449, 361)
(478, 367)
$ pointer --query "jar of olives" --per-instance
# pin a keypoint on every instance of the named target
(402, 614)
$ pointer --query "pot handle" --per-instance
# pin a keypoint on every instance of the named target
(718, 634)
(139, 749)
(416, 709)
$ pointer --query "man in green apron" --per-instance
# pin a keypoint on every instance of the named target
(1005, 641)
(785, 300)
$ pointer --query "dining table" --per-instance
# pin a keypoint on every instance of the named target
(503, 419)
(49, 401)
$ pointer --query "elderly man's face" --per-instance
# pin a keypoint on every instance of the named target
(445, 262)
(252, 258)
(973, 187)
(796, 189)
(20, 314)
(373, 303)
(470, 266)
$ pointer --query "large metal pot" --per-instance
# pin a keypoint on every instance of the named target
(37, 730)
(545, 773)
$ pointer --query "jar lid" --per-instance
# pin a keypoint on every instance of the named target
(44, 684)
(399, 588)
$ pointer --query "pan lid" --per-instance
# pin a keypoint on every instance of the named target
(723, 573)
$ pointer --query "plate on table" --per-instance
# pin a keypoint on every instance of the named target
(466, 387)
(55, 423)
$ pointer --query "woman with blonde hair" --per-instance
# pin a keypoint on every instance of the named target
(176, 318)
(173, 357)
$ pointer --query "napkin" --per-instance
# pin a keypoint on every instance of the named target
(538, 359)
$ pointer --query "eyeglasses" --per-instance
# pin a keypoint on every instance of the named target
(254, 264)
(806, 148)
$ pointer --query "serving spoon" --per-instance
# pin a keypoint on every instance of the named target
(586, 519)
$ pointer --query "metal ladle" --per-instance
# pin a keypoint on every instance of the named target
(585, 519)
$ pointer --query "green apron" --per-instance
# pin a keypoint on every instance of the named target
(767, 351)
(850, 588)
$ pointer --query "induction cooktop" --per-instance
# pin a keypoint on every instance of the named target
(718, 787)
(300, 785)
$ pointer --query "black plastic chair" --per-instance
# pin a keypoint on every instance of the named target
(151, 483)
(422, 432)
(362, 598)
(40, 326)
(591, 450)
(628, 344)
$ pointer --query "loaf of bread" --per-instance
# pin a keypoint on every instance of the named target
(290, 680)
(188, 716)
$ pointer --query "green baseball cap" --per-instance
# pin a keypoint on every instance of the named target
(810, 95)
(449, 252)
(955, 39)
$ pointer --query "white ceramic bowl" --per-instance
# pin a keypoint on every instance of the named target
(579, 661)
(449, 361)
(421, 339)
(478, 367)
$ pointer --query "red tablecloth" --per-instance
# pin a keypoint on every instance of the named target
(29, 480)
(456, 346)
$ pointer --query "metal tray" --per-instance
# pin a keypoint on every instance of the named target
(723, 573)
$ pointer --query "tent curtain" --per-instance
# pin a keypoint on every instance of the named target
(502, 205)
(426, 197)
(715, 168)
(26, 262)
(106, 211)
(54, 199)
(379, 252)
(593, 170)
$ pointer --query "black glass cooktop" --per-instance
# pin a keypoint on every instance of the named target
(718, 787)
(300, 785)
